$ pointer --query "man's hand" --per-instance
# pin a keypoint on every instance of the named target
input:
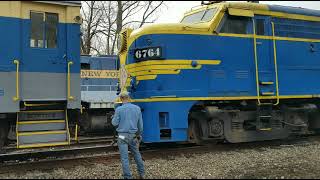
(139, 138)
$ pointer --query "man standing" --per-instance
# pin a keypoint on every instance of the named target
(128, 118)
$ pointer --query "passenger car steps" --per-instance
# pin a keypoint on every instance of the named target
(40, 128)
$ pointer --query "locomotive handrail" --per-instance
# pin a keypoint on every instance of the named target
(69, 81)
(275, 63)
(17, 97)
(67, 126)
(256, 61)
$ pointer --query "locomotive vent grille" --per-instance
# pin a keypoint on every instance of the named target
(124, 35)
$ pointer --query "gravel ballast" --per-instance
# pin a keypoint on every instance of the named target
(261, 162)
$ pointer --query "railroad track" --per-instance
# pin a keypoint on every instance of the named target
(69, 157)
(11, 148)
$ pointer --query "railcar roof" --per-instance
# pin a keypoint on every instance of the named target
(87, 58)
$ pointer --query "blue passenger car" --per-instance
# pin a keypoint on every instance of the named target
(39, 70)
(228, 71)
(99, 83)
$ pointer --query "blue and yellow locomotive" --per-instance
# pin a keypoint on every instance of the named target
(233, 71)
(39, 71)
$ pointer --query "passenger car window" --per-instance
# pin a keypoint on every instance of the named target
(235, 25)
(44, 30)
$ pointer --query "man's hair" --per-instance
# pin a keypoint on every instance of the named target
(124, 95)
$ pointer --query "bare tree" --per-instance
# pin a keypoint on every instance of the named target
(101, 33)
(92, 16)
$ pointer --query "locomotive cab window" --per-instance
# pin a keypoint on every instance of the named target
(202, 16)
(44, 30)
(235, 25)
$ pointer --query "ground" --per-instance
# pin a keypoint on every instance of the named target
(290, 161)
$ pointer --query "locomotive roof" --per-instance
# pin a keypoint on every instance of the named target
(66, 3)
(266, 7)
(294, 10)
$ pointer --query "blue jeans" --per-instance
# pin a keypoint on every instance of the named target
(130, 141)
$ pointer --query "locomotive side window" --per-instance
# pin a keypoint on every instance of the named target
(44, 30)
(259, 26)
(37, 29)
(85, 66)
(51, 30)
(235, 25)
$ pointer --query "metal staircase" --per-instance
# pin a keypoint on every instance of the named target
(41, 128)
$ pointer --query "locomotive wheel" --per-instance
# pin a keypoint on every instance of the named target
(194, 132)
(4, 130)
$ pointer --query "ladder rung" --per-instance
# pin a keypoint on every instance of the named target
(41, 122)
(266, 104)
(265, 116)
(266, 82)
(265, 129)
(267, 93)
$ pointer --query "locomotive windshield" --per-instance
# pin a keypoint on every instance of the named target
(201, 16)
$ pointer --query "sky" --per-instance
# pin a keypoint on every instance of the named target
(175, 9)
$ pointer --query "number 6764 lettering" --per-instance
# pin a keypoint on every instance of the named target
(147, 53)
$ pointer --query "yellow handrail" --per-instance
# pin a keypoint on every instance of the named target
(275, 62)
(17, 97)
(17, 129)
(69, 83)
(76, 133)
(256, 60)
(67, 126)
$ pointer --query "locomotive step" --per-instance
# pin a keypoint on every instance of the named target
(48, 125)
(41, 111)
(40, 133)
(41, 121)
(33, 139)
(43, 115)
(43, 144)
